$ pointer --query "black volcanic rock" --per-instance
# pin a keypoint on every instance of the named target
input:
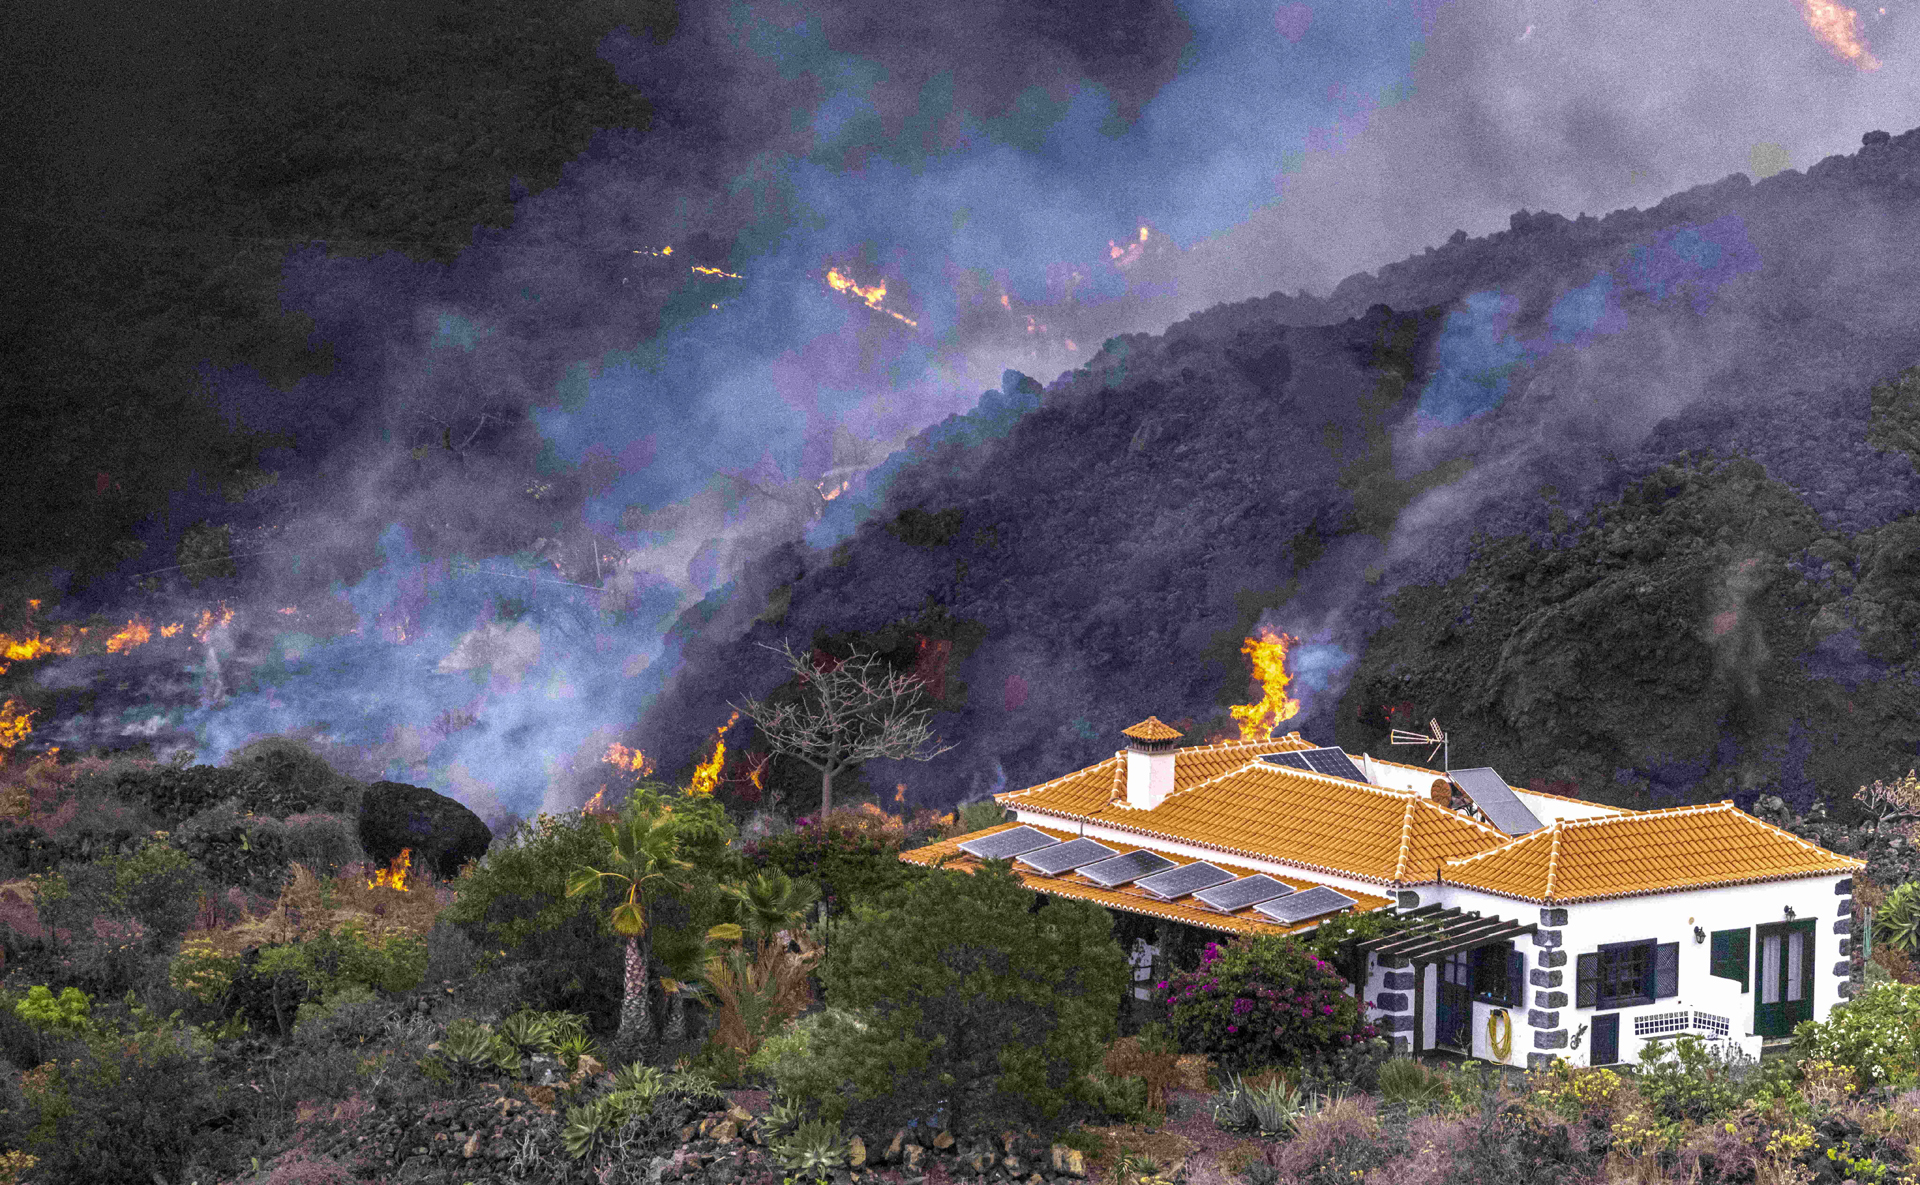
(442, 834)
(1491, 429)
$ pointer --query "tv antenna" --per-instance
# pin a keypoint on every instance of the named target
(1434, 737)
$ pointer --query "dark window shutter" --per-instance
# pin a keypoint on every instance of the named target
(1516, 979)
(1666, 970)
(1587, 979)
(1732, 956)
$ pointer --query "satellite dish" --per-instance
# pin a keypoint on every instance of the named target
(1434, 737)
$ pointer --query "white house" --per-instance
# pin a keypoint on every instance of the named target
(1545, 927)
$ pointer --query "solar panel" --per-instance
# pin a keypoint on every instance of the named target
(1495, 799)
(1248, 890)
(1329, 760)
(1065, 857)
(1111, 874)
(1002, 845)
(1309, 904)
(1188, 878)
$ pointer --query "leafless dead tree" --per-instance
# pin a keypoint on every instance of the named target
(846, 713)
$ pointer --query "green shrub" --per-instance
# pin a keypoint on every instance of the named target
(1687, 1081)
(853, 856)
(393, 962)
(126, 1110)
(1405, 1080)
(1262, 1000)
(977, 816)
(1876, 1034)
(1123, 1099)
(976, 997)
(160, 885)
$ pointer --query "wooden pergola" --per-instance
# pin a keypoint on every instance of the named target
(1437, 931)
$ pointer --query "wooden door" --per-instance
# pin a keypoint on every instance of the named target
(1783, 977)
(1606, 1039)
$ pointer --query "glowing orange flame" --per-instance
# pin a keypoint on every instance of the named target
(210, 622)
(835, 492)
(706, 775)
(900, 792)
(15, 723)
(713, 271)
(592, 805)
(168, 631)
(394, 876)
(1269, 653)
(64, 640)
(1838, 28)
(627, 760)
(650, 251)
(137, 633)
(872, 296)
(289, 611)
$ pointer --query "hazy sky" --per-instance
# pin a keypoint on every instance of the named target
(1024, 180)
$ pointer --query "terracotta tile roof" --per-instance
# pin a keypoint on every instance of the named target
(1087, 790)
(1129, 899)
(1642, 852)
(1151, 729)
(1250, 808)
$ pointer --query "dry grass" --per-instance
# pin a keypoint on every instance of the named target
(1125, 1059)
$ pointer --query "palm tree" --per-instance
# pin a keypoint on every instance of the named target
(771, 903)
(684, 954)
(646, 856)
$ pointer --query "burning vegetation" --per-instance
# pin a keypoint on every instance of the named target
(394, 876)
(706, 775)
(1268, 650)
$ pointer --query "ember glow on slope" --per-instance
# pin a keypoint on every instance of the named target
(1278, 156)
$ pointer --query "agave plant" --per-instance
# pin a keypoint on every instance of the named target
(473, 1048)
(528, 1031)
(693, 1086)
(571, 1047)
(1897, 921)
(813, 1150)
(1274, 1108)
(590, 1127)
(638, 1081)
(784, 1116)
(1135, 1166)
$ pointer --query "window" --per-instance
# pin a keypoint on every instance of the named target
(1498, 976)
(1622, 974)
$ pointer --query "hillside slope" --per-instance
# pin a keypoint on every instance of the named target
(1617, 499)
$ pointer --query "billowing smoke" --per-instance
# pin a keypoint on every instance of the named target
(524, 468)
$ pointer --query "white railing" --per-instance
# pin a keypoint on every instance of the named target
(1681, 1021)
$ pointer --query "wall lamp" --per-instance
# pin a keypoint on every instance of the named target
(1789, 911)
(1699, 935)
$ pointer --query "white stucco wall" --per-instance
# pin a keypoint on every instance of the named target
(1668, 917)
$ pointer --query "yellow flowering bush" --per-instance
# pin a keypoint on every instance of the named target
(202, 971)
(1573, 1092)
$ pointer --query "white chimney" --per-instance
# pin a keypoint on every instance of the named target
(1149, 763)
